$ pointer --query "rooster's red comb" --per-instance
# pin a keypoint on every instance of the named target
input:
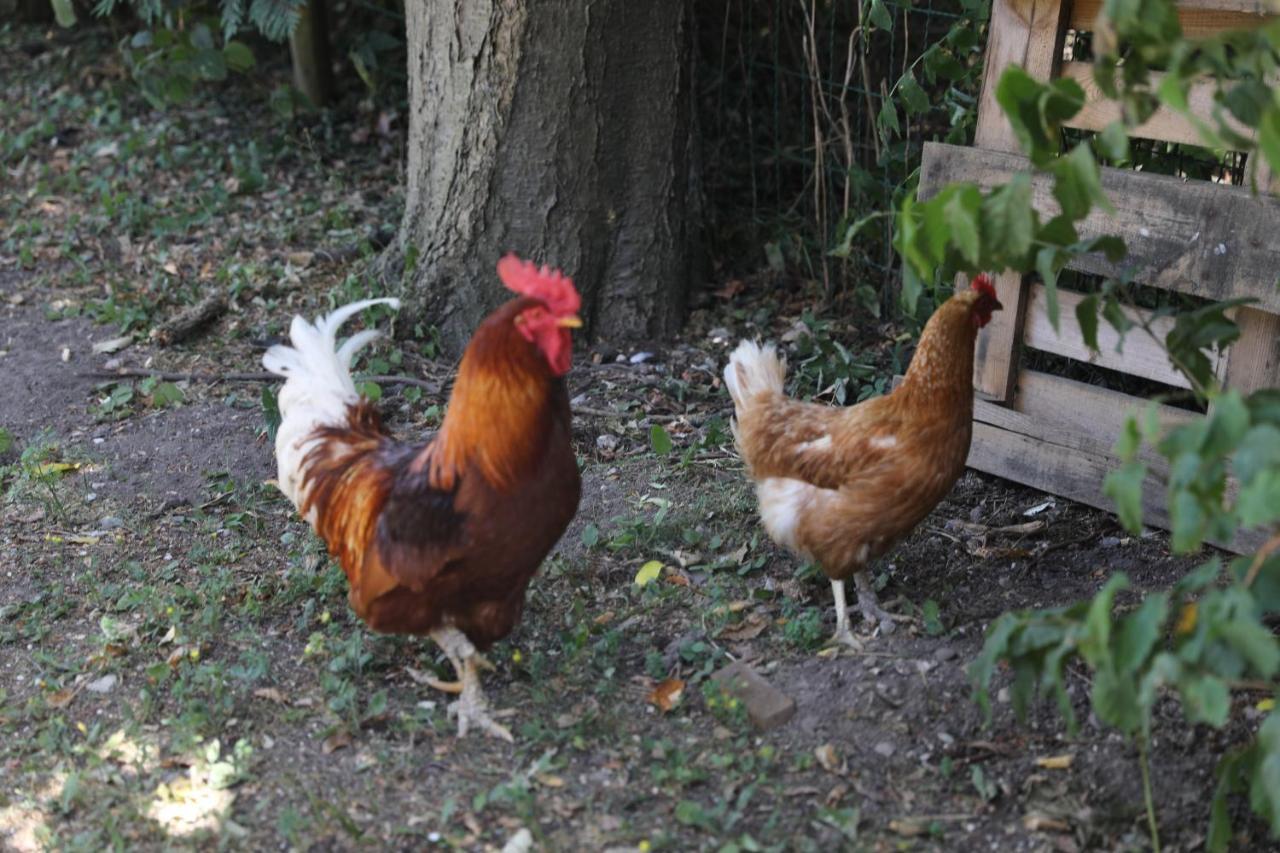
(549, 286)
(984, 285)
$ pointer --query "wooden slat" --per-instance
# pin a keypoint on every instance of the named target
(1057, 457)
(1140, 355)
(1209, 240)
(1166, 125)
(1076, 408)
(1198, 19)
(1029, 34)
(1253, 362)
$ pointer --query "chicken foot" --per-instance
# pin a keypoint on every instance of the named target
(870, 608)
(843, 636)
(471, 708)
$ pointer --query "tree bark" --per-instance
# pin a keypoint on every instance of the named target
(561, 130)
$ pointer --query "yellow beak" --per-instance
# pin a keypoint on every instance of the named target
(570, 322)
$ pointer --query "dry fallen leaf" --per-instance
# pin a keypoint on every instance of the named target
(549, 780)
(271, 694)
(336, 741)
(667, 694)
(62, 698)
(908, 828)
(1039, 823)
(1055, 762)
(829, 758)
(747, 629)
(604, 618)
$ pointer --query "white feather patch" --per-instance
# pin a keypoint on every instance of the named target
(823, 443)
(884, 442)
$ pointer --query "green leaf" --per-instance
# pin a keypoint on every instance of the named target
(1258, 503)
(1269, 137)
(1114, 142)
(1078, 183)
(887, 119)
(1254, 642)
(166, 394)
(1139, 632)
(238, 56)
(1087, 317)
(659, 440)
(1047, 264)
(590, 536)
(1130, 439)
(371, 390)
(6, 441)
(1008, 217)
(1115, 700)
(1188, 521)
(65, 12)
(648, 572)
(962, 214)
(1228, 423)
(880, 16)
(1257, 451)
(1095, 644)
(1206, 698)
(913, 97)
(1124, 487)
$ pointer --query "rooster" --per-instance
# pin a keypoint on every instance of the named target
(440, 538)
(840, 486)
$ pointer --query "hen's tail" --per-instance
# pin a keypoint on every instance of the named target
(752, 370)
(318, 388)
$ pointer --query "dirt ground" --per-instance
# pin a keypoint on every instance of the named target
(180, 667)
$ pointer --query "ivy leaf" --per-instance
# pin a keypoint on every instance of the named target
(1124, 487)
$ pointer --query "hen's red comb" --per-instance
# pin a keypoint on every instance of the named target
(549, 286)
(983, 284)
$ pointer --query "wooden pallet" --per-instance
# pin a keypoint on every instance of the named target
(1196, 237)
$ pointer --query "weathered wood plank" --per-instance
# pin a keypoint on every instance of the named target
(1209, 240)
(1199, 19)
(1090, 411)
(1140, 355)
(1029, 34)
(1253, 362)
(1071, 473)
(1167, 125)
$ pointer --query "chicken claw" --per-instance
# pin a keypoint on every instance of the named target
(470, 708)
(843, 636)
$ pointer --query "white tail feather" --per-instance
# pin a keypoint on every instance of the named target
(318, 387)
(752, 369)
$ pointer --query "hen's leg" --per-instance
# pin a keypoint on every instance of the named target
(870, 607)
(470, 708)
(843, 635)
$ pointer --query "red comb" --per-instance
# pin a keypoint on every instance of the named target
(551, 287)
(983, 284)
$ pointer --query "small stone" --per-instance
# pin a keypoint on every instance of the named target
(944, 653)
(607, 442)
(110, 522)
(640, 357)
(767, 706)
(102, 685)
(884, 749)
(1109, 541)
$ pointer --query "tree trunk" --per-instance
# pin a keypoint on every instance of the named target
(562, 131)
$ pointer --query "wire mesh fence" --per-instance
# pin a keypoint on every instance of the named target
(800, 144)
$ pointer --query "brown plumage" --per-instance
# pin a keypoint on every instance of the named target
(841, 486)
(441, 538)
(455, 528)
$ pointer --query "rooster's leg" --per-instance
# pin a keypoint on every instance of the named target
(843, 635)
(470, 708)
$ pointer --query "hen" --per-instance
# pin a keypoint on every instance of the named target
(440, 538)
(841, 485)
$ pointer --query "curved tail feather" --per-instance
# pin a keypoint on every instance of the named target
(318, 388)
